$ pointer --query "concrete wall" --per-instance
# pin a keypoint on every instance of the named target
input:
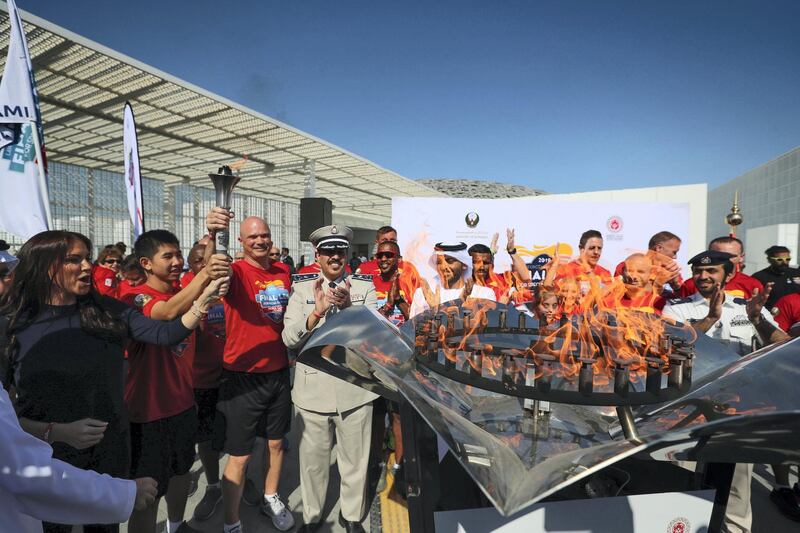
(759, 239)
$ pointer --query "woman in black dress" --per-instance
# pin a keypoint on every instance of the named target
(61, 345)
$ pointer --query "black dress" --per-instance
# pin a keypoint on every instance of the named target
(63, 374)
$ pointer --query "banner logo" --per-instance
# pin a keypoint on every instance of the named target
(614, 224)
(472, 219)
(679, 525)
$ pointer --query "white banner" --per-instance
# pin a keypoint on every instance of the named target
(539, 226)
(24, 204)
(132, 174)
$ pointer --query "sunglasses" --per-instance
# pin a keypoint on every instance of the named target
(112, 261)
(333, 251)
(780, 259)
(386, 255)
(275, 255)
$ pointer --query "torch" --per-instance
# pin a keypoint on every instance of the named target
(224, 181)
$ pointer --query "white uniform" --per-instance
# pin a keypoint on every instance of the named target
(36, 487)
(419, 305)
(736, 330)
(733, 328)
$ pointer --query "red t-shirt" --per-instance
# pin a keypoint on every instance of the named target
(575, 269)
(159, 381)
(740, 286)
(381, 292)
(283, 266)
(787, 311)
(124, 289)
(254, 309)
(186, 279)
(105, 280)
(210, 348)
(648, 302)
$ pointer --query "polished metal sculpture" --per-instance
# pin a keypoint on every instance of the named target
(733, 410)
(224, 181)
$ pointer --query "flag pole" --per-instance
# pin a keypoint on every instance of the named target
(42, 174)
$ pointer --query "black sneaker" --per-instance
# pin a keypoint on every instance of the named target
(207, 506)
(786, 501)
(186, 528)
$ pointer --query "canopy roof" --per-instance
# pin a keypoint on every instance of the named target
(185, 132)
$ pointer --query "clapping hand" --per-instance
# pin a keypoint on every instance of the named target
(757, 301)
(340, 295)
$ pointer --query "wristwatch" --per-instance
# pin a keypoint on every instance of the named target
(512, 251)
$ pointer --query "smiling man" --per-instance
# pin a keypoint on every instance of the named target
(254, 394)
(327, 404)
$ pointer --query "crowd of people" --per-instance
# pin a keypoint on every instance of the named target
(127, 367)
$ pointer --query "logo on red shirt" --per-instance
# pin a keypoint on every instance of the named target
(272, 298)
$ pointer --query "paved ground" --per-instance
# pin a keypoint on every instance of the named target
(766, 518)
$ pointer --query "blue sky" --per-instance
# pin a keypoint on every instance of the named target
(562, 95)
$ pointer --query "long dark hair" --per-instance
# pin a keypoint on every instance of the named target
(40, 261)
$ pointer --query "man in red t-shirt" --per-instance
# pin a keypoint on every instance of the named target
(640, 294)
(662, 250)
(255, 392)
(787, 314)
(583, 270)
(742, 285)
(158, 389)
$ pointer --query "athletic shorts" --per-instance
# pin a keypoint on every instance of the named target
(206, 400)
(251, 405)
(163, 448)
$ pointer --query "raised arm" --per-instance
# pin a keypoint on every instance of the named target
(172, 332)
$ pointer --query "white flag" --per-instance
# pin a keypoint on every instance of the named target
(24, 204)
(132, 175)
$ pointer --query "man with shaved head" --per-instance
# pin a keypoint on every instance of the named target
(640, 291)
(254, 395)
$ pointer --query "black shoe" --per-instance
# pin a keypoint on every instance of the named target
(786, 501)
(186, 528)
(308, 528)
(350, 527)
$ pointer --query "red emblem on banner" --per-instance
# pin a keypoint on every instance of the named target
(614, 224)
(679, 525)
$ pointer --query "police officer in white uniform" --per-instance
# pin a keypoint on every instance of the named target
(327, 404)
(742, 324)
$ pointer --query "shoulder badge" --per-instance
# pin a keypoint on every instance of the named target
(141, 300)
(362, 277)
(304, 277)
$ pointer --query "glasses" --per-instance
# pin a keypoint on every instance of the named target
(112, 261)
(386, 255)
(275, 255)
(332, 251)
(780, 259)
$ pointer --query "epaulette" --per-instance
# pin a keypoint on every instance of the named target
(304, 277)
(677, 301)
(362, 277)
(741, 301)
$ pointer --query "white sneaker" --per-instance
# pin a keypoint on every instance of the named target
(274, 508)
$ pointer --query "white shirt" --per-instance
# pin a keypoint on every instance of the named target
(36, 487)
(732, 328)
(419, 304)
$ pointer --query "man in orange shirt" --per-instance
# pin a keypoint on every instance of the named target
(640, 293)
(741, 285)
(406, 269)
(585, 268)
(662, 249)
